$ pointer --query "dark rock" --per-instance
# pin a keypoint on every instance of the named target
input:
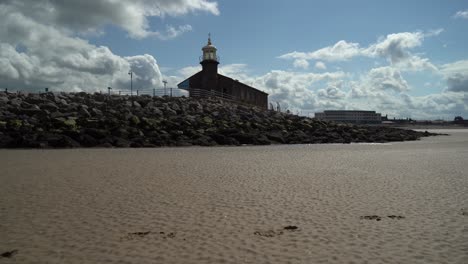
(262, 140)
(121, 143)
(95, 112)
(205, 141)
(96, 133)
(87, 140)
(58, 141)
(245, 138)
(229, 131)
(27, 141)
(104, 145)
(136, 104)
(30, 111)
(6, 141)
(276, 136)
(84, 112)
(183, 143)
(120, 132)
(49, 106)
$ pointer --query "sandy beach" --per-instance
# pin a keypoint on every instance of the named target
(404, 202)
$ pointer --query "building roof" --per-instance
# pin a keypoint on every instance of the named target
(232, 80)
(185, 83)
(348, 111)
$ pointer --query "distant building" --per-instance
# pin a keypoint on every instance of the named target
(208, 82)
(350, 116)
(460, 121)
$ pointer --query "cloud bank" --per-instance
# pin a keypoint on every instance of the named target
(42, 44)
(394, 47)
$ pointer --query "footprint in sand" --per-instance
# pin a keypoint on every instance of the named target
(371, 217)
(290, 228)
(170, 235)
(268, 233)
(398, 217)
(378, 218)
(273, 233)
(136, 235)
(9, 254)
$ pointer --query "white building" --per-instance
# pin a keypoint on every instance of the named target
(350, 116)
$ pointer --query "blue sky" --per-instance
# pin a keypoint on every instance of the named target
(256, 32)
(402, 58)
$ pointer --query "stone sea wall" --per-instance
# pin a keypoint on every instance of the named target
(68, 120)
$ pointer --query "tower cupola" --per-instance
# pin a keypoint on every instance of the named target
(209, 51)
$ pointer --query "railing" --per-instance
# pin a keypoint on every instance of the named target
(170, 92)
(214, 59)
(211, 93)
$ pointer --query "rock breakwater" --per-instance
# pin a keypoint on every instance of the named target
(67, 120)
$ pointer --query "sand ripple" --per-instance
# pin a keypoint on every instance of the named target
(399, 203)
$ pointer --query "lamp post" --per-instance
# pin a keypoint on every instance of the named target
(131, 82)
(165, 82)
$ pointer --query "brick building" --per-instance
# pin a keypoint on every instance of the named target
(208, 82)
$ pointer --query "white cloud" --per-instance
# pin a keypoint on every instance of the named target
(296, 90)
(386, 78)
(341, 51)
(394, 47)
(301, 63)
(87, 16)
(172, 32)
(41, 47)
(333, 91)
(447, 105)
(461, 14)
(320, 65)
(456, 75)
(239, 70)
(385, 90)
(189, 71)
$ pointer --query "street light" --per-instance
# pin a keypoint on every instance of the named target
(165, 82)
(131, 82)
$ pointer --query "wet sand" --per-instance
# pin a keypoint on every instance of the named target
(377, 203)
